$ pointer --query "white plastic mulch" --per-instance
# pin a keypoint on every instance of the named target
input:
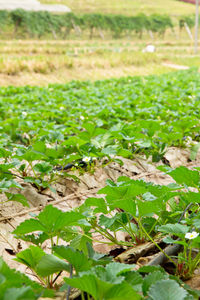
(32, 5)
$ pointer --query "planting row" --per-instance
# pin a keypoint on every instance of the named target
(78, 125)
(149, 213)
(81, 124)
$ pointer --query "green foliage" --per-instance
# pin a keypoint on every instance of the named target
(41, 23)
(105, 283)
(171, 291)
(51, 222)
(122, 117)
(189, 20)
(14, 285)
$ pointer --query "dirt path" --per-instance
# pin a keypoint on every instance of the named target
(174, 66)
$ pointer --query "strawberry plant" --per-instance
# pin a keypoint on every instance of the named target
(85, 125)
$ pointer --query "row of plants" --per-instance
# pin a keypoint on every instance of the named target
(147, 211)
(79, 125)
(121, 117)
(40, 24)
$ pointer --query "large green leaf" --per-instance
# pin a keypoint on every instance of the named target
(55, 220)
(128, 205)
(50, 264)
(76, 258)
(194, 151)
(122, 291)
(22, 293)
(182, 175)
(30, 257)
(18, 198)
(13, 279)
(43, 167)
(114, 222)
(28, 226)
(99, 203)
(167, 290)
(114, 269)
(88, 283)
(128, 191)
(176, 229)
(147, 207)
(151, 279)
(51, 221)
(191, 197)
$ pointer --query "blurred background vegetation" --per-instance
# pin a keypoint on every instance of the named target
(98, 40)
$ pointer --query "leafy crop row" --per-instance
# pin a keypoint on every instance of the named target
(39, 24)
(144, 216)
(45, 130)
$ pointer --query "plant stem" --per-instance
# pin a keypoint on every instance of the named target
(82, 295)
(150, 238)
(107, 243)
(110, 236)
(69, 287)
(153, 226)
(40, 279)
(190, 259)
(106, 235)
(88, 296)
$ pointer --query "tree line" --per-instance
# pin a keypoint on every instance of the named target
(39, 24)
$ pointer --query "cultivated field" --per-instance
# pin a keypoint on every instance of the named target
(99, 159)
(61, 145)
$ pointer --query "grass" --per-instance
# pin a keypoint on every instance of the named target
(43, 62)
(128, 7)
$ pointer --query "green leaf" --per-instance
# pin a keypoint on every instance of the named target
(80, 243)
(7, 184)
(169, 240)
(30, 257)
(97, 258)
(105, 275)
(104, 283)
(150, 269)
(135, 280)
(2, 279)
(14, 279)
(151, 279)
(88, 284)
(126, 204)
(97, 202)
(182, 175)
(167, 290)
(176, 229)
(194, 150)
(22, 293)
(18, 198)
(39, 146)
(122, 291)
(129, 191)
(55, 220)
(76, 258)
(28, 226)
(50, 264)
(114, 269)
(43, 167)
(51, 221)
(147, 207)
(115, 222)
(191, 197)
